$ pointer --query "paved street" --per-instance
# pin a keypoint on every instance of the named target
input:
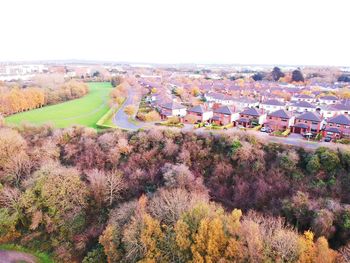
(121, 119)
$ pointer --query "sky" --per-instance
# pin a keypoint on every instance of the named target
(284, 32)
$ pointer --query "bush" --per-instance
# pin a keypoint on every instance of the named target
(96, 255)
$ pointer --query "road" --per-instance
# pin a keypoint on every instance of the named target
(7, 256)
(121, 119)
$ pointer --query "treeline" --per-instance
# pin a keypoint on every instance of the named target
(169, 196)
(16, 99)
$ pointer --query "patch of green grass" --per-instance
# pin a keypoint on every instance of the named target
(41, 256)
(83, 111)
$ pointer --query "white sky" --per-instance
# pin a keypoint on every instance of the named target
(181, 31)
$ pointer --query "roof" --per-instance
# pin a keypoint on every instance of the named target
(332, 129)
(309, 116)
(342, 106)
(173, 106)
(273, 102)
(198, 109)
(250, 111)
(303, 104)
(328, 97)
(243, 120)
(301, 125)
(224, 110)
(339, 119)
(303, 96)
(280, 114)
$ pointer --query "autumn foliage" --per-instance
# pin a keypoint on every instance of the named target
(16, 99)
(163, 195)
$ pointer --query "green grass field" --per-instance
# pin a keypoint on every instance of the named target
(83, 111)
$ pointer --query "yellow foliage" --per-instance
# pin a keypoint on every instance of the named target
(151, 236)
(182, 235)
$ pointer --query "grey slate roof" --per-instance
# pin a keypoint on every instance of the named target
(224, 110)
(339, 119)
(280, 114)
(250, 111)
(328, 97)
(173, 106)
(303, 96)
(273, 102)
(198, 109)
(303, 104)
(301, 125)
(309, 116)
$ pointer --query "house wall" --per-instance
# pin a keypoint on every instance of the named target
(301, 109)
(207, 115)
(312, 125)
(196, 116)
(278, 123)
(327, 102)
(271, 108)
(329, 114)
(179, 112)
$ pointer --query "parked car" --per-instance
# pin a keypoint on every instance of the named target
(266, 129)
(328, 139)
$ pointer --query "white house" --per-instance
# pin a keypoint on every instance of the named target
(172, 109)
(301, 106)
(328, 100)
(272, 105)
(302, 97)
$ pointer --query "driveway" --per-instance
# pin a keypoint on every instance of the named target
(121, 119)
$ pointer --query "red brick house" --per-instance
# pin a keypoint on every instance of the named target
(224, 115)
(338, 127)
(250, 117)
(279, 120)
(307, 122)
(199, 113)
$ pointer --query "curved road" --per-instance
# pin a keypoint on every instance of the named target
(9, 256)
(121, 119)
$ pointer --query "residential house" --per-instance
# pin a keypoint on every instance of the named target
(302, 97)
(219, 98)
(279, 120)
(199, 113)
(301, 106)
(243, 102)
(225, 115)
(272, 105)
(338, 127)
(250, 117)
(307, 122)
(172, 109)
(328, 100)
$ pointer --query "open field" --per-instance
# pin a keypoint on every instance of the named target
(83, 111)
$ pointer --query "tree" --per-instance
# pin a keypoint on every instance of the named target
(12, 145)
(115, 81)
(59, 196)
(2, 120)
(277, 73)
(297, 76)
(130, 110)
(258, 76)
